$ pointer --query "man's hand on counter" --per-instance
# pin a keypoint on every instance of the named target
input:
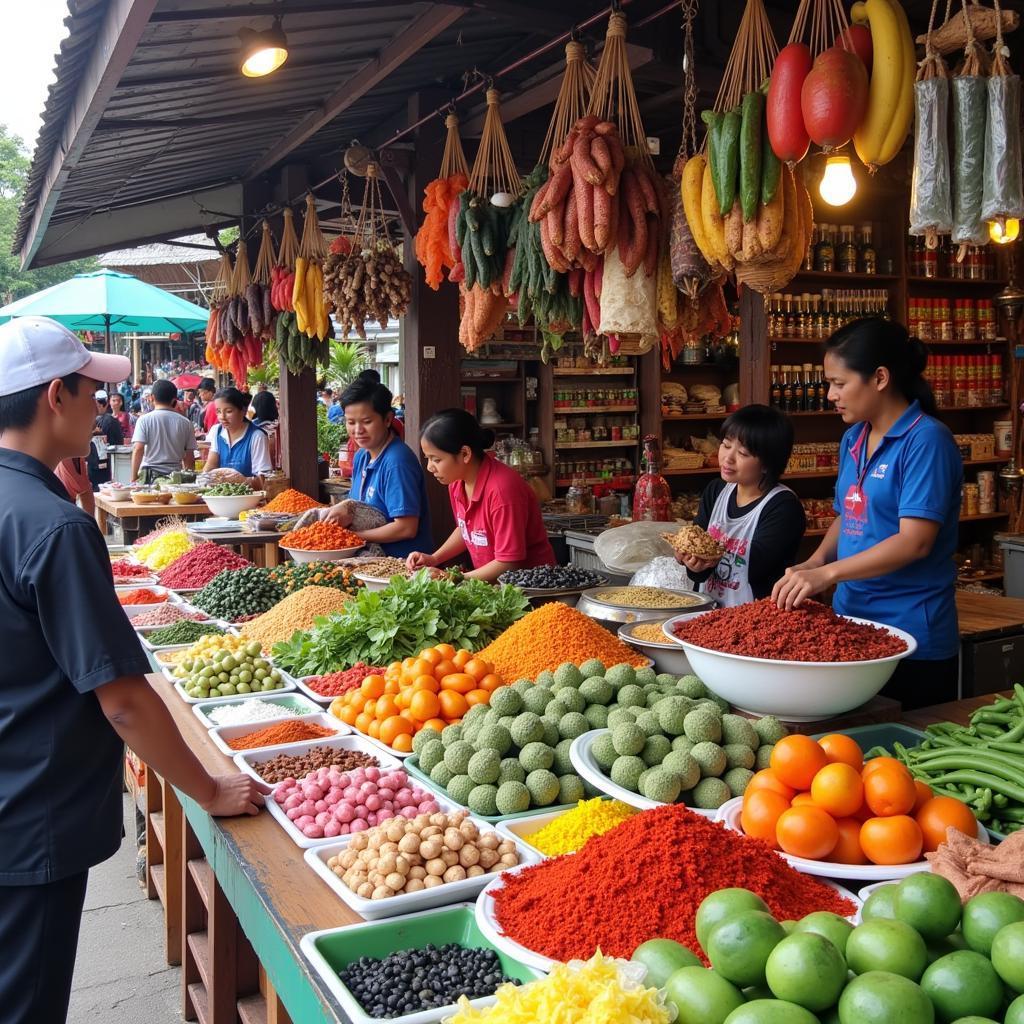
(235, 794)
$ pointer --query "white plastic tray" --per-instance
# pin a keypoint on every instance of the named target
(278, 813)
(219, 734)
(582, 757)
(353, 1010)
(520, 829)
(182, 606)
(406, 903)
(249, 761)
(172, 598)
(137, 581)
(202, 709)
(286, 686)
(487, 922)
(144, 632)
(300, 682)
(729, 814)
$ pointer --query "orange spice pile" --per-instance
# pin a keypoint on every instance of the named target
(321, 537)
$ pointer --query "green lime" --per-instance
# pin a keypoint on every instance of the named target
(1015, 1012)
(880, 904)
(890, 946)
(985, 914)
(788, 926)
(974, 1019)
(929, 903)
(723, 903)
(739, 946)
(806, 969)
(880, 997)
(757, 992)
(833, 927)
(771, 1011)
(1008, 955)
(963, 983)
(662, 957)
(950, 944)
(701, 997)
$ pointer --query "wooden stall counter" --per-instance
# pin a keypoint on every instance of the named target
(260, 547)
(132, 518)
(992, 642)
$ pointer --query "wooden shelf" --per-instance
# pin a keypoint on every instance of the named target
(199, 946)
(202, 875)
(987, 462)
(812, 412)
(490, 380)
(811, 474)
(985, 577)
(701, 471)
(988, 282)
(975, 341)
(252, 1009)
(157, 821)
(797, 341)
(595, 444)
(501, 428)
(972, 408)
(616, 482)
(836, 277)
(158, 875)
(695, 416)
(984, 515)
(608, 371)
(200, 1003)
(577, 410)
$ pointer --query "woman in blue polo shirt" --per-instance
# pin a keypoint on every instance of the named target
(235, 442)
(890, 551)
(385, 472)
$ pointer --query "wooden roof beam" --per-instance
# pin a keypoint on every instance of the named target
(407, 43)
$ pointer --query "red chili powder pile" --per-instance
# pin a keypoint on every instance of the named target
(645, 879)
(812, 632)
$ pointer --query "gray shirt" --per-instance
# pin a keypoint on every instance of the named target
(168, 437)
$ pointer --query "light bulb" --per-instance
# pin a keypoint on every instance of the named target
(838, 185)
(1003, 234)
(264, 61)
(263, 52)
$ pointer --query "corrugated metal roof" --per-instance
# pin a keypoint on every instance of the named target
(160, 253)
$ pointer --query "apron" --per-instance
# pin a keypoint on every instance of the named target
(729, 582)
(239, 455)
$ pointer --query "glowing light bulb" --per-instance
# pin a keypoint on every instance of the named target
(838, 185)
(263, 52)
(1003, 234)
(264, 61)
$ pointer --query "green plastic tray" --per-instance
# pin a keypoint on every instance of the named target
(412, 767)
(885, 734)
(333, 950)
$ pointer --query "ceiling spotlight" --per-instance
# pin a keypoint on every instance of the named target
(263, 52)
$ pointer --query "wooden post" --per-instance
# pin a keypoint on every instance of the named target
(753, 348)
(431, 356)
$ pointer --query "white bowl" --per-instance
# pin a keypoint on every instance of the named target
(667, 657)
(581, 754)
(272, 698)
(799, 691)
(729, 815)
(371, 582)
(117, 493)
(320, 556)
(231, 505)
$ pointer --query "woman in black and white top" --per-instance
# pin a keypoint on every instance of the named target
(756, 519)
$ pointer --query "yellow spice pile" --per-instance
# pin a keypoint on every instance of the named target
(296, 612)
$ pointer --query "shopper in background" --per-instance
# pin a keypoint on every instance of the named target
(204, 413)
(163, 441)
(890, 551)
(146, 399)
(108, 426)
(73, 688)
(385, 472)
(326, 397)
(758, 521)
(264, 407)
(335, 411)
(73, 473)
(123, 417)
(497, 515)
(237, 443)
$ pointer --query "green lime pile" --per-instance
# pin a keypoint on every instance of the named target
(513, 755)
(228, 673)
(918, 957)
(673, 740)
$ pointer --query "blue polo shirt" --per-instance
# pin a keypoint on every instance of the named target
(64, 635)
(916, 472)
(395, 484)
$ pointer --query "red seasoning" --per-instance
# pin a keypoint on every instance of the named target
(141, 596)
(200, 564)
(334, 684)
(811, 632)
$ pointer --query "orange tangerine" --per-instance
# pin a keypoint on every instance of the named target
(374, 729)
(445, 650)
(426, 683)
(394, 726)
(444, 668)
(839, 747)
(424, 705)
(437, 724)
(372, 686)
(386, 707)
(490, 682)
(403, 742)
(458, 681)
(462, 658)
(477, 668)
(431, 656)
(767, 779)
(453, 704)
(363, 722)
(478, 697)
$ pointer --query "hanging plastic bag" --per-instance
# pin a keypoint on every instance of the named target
(628, 304)
(628, 548)
(664, 572)
(970, 111)
(1003, 194)
(931, 209)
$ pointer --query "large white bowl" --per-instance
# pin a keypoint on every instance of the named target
(667, 656)
(799, 691)
(319, 556)
(231, 505)
(729, 815)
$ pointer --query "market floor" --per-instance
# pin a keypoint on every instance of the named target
(121, 976)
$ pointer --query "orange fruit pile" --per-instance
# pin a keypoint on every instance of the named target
(821, 801)
(436, 688)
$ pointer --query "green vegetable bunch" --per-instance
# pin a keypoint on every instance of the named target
(387, 625)
(185, 632)
(235, 593)
(229, 491)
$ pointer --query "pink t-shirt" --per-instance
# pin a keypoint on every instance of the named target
(210, 416)
(503, 520)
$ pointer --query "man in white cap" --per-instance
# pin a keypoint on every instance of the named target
(72, 679)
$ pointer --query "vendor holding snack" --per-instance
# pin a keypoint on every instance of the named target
(385, 474)
(890, 551)
(748, 527)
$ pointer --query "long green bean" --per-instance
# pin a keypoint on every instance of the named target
(985, 780)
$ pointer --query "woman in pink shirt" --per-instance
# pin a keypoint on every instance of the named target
(497, 516)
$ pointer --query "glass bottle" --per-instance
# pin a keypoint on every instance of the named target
(822, 386)
(787, 389)
(824, 251)
(846, 253)
(775, 388)
(931, 262)
(868, 256)
(799, 317)
(811, 246)
(798, 389)
(810, 387)
(789, 320)
(652, 499)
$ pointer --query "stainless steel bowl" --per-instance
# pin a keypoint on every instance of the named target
(688, 603)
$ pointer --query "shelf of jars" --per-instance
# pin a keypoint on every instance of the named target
(559, 445)
(604, 371)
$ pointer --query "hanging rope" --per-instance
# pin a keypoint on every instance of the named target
(573, 96)
(265, 257)
(453, 161)
(752, 56)
(494, 170)
(688, 142)
(289, 242)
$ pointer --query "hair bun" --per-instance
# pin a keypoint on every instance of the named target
(369, 376)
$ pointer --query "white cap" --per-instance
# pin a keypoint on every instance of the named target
(35, 350)
(100, 396)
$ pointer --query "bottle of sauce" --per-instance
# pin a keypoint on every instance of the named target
(652, 498)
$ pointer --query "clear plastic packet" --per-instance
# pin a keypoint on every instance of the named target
(970, 112)
(1003, 194)
(931, 207)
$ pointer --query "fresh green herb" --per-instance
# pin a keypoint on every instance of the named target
(229, 491)
(182, 633)
(382, 626)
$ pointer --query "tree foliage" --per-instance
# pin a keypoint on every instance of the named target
(15, 283)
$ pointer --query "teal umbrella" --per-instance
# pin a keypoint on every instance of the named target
(106, 300)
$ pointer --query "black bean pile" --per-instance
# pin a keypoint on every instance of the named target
(413, 980)
(298, 766)
(552, 577)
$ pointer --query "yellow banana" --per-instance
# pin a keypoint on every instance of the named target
(904, 113)
(690, 187)
(714, 224)
(888, 73)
